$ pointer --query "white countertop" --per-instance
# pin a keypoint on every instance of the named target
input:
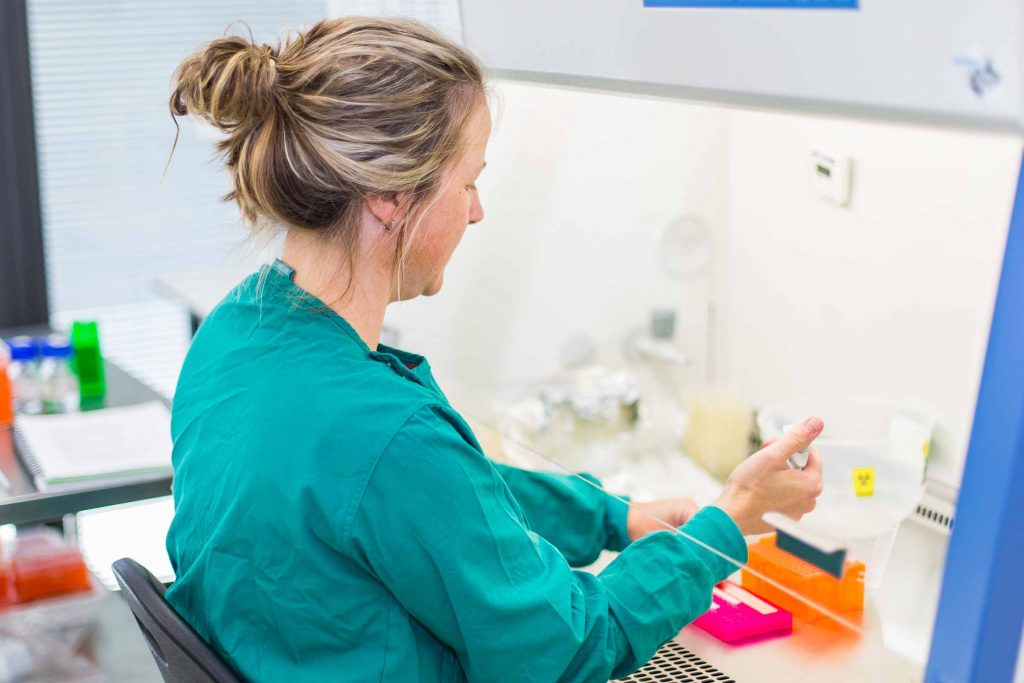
(897, 620)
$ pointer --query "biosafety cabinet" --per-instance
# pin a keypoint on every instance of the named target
(946, 63)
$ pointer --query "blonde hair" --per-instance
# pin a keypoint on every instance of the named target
(346, 109)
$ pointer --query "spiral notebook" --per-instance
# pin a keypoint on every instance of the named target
(78, 450)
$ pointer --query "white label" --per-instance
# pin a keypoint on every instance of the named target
(749, 599)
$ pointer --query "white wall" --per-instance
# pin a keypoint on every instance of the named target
(889, 297)
(577, 189)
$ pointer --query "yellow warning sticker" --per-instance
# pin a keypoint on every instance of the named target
(864, 481)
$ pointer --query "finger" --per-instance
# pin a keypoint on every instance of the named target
(798, 438)
(767, 442)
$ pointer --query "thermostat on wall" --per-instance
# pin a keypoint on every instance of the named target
(830, 176)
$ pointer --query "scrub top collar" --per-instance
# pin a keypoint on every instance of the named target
(409, 365)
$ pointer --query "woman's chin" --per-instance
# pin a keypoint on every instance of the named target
(429, 290)
(434, 287)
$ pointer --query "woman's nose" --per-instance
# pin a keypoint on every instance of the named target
(476, 210)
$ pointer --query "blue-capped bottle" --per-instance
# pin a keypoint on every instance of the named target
(24, 374)
(59, 383)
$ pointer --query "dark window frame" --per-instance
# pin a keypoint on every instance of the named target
(23, 296)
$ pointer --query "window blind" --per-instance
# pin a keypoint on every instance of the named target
(112, 221)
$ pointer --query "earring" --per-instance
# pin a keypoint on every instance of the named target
(389, 226)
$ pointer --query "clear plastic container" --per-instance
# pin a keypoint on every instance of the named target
(44, 566)
(59, 382)
(874, 453)
(23, 371)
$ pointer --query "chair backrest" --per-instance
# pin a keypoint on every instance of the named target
(180, 653)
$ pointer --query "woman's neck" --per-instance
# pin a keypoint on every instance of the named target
(360, 296)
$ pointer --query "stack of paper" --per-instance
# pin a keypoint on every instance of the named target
(86, 449)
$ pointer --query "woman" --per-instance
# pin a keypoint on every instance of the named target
(335, 516)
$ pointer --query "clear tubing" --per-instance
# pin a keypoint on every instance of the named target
(845, 623)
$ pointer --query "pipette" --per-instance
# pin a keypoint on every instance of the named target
(797, 461)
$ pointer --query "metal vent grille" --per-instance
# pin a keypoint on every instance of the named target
(934, 517)
(673, 663)
(936, 509)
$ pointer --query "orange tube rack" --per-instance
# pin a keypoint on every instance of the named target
(838, 595)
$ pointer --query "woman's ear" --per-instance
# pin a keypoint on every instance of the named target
(385, 208)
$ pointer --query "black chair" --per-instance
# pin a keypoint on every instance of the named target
(180, 653)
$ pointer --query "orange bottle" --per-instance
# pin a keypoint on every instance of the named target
(838, 595)
(6, 395)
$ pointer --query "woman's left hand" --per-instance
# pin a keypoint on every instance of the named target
(674, 511)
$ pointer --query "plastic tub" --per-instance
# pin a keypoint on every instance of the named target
(874, 453)
(43, 567)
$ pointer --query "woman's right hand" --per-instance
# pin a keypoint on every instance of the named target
(764, 482)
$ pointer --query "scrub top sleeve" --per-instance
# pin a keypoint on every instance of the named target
(438, 527)
(574, 516)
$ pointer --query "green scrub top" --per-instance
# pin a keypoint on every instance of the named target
(336, 520)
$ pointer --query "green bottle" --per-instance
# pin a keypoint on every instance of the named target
(88, 364)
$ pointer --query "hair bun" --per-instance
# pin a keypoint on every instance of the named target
(229, 83)
(343, 110)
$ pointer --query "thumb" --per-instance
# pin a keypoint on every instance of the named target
(687, 508)
(797, 439)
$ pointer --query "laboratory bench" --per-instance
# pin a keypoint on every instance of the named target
(23, 503)
(897, 624)
(897, 620)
